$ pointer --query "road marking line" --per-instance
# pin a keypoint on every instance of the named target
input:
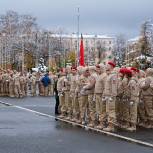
(83, 126)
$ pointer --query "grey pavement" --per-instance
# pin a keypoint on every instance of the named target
(25, 132)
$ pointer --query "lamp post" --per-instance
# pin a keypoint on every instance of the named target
(78, 33)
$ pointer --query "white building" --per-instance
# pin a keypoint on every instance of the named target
(132, 50)
(97, 47)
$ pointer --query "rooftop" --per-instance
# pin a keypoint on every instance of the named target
(84, 36)
(134, 39)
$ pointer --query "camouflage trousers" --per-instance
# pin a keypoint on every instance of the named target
(142, 117)
(133, 112)
(17, 90)
(75, 103)
(11, 90)
(23, 89)
(46, 91)
(100, 107)
(41, 89)
(69, 99)
(6, 88)
(26, 89)
(111, 110)
(124, 109)
(62, 104)
(148, 105)
(83, 104)
(33, 90)
(50, 90)
(68, 102)
(1, 88)
(91, 107)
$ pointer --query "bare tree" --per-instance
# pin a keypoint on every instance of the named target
(16, 32)
(20, 36)
(100, 51)
(120, 49)
(9, 22)
(27, 24)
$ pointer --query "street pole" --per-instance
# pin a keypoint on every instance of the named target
(88, 52)
(78, 32)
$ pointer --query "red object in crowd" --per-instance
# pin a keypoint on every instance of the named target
(97, 66)
(62, 70)
(126, 71)
(73, 68)
(81, 52)
(122, 70)
(134, 69)
(111, 63)
(129, 72)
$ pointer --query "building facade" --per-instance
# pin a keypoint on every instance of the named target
(98, 48)
(132, 51)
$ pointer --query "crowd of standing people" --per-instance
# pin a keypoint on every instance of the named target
(20, 84)
(106, 97)
(101, 96)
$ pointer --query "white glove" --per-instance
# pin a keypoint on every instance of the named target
(110, 99)
(103, 98)
(82, 91)
(65, 80)
(141, 101)
(94, 99)
(131, 103)
(84, 87)
(143, 84)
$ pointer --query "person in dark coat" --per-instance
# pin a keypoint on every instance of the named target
(46, 81)
(56, 96)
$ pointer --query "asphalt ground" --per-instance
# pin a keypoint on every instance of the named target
(22, 131)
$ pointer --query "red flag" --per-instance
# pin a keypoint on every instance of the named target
(81, 52)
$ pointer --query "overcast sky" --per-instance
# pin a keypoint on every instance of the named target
(96, 16)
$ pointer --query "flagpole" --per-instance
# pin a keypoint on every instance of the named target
(78, 31)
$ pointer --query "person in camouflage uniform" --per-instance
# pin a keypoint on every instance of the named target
(72, 98)
(60, 87)
(134, 99)
(11, 85)
(99, 88)
(33, 81)
(141, 106)
(17, 88)
(109, 95)
(147, 96)
(82, 82)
